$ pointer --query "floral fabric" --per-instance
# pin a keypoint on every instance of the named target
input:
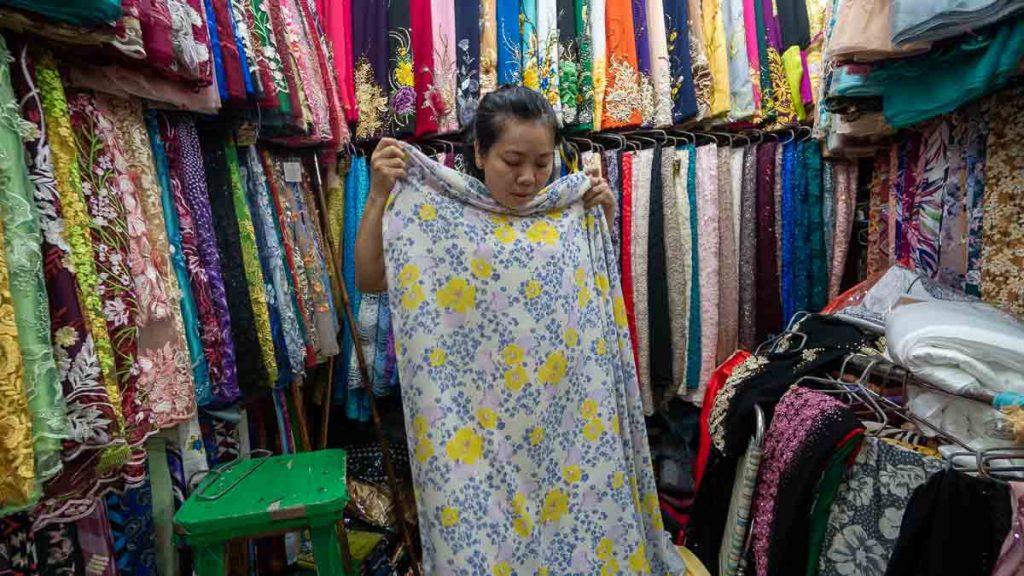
(539, 461)
(24, 259)
(867, 513)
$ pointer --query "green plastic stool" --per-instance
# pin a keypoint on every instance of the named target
(260, 497)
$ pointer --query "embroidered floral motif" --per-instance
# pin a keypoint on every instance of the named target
(469, 84)
(624, 95)
(192, 55)
(371, 100)
(403, 92)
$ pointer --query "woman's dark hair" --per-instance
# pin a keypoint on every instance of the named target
(508, 101)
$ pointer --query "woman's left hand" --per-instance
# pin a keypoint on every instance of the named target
(600, 194)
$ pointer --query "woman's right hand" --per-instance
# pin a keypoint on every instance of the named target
(387, 165)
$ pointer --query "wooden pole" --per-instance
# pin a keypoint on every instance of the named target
(364, 374)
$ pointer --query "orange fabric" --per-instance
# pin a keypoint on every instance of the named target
(622, 86)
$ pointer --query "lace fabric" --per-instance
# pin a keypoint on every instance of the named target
(23, 244)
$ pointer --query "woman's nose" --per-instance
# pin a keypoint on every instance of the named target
(524, 179)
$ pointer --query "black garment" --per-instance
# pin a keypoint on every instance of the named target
(658, 324)
(796, 29)
(954, 524)
(828, 341)
(467, 58)
(251, 372)
(677, 27)
(402, 105)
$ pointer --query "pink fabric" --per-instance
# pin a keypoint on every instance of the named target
(1011, 557)
(708, 238)
(805, 82)
(337, 16)
(753, 56)
(124, 82)
(442, 15)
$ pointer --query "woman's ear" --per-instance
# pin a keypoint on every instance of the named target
(478, 158)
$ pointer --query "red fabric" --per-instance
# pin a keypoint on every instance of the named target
(339, 131)
(337, 18)
(423, 61)
(155, 21)
(627, 250)
(287, 64)
(717, 381)
(231, 59)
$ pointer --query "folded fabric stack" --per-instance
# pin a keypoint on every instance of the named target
(916, 21)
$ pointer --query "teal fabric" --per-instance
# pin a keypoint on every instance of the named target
(693, 353)
(917, 89)
(189, 314)
(78, 12)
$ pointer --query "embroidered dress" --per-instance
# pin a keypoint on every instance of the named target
(622, 96)
(538, 461)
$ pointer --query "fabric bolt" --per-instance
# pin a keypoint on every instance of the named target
(769, 109)
(157, 33)
(356, 191)
(769, 312)
(187, 163)
(779, 213)
(912, 22)
(846, 182)
(251, 264)
(122, 81)
(828, 211)
(975, 511)
(304, 45)
(933, 167)
(488, 46)
(731, 559)
(25, 280)
(584, 77)
(79, 13)
(231, 59)
(865, 517)
(788, 212)
(509, 34)
(166, 382)
(468, 60)
(189, 310)
(529, 46)
(643, 61)
(402, 92)
(751, 36)
(694, 355)
(716, 47)
(709, 237)
(1003, 209)
(299, 114)
(623, 93)
(641, 199)
(805, 430)
(714, 386)
(337, 18)
(660, 69)
(535, 522)
(862, 31)
(728, 281)
(251, 372)
(660, 327)
(246, 48)
(748, 253)
(678, 260)
(817, 263)
(827, 491)
(677, 30)
(802, 264)
(94, 538)
(792, 65)
(58, 551)
(598, 59)
(131, 527)
(742, 104)
(277, 90)
(321, 62)
(422, 32)
(626, 256)
(702, 77)
(974, 198)
(18, 554)
(952, 240)
(794, 23)
(445, 72)
(782, 101)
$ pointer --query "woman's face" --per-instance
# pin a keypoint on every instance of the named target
(519, 163)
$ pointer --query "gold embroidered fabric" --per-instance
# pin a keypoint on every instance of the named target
(488, 47)
(1002, 279)
(372, 102)
(17, 483)
(76, 219)
(713, 27)
(624, 96)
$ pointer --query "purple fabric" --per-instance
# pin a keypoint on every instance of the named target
(370, 37)
(193, 181)
(771, 25)
(643, 52)
(805, 80)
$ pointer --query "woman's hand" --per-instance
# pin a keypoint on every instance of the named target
(600, 194)
(387, 165)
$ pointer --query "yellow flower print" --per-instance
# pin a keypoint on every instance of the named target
(584, 297)
(500, 218)
(515, 378)
(556, 504)
(605, 549)
(619, 307)
(413, 297)
(530, 79)
(403, 73)
(519, 503)
(502, 569)
(581, 277)
(428, 212)
(614, 425)
(611, 568)
(409, 275)
(542, 571)
(542, 232)
(523, 526)
(603, 284)
(512, 355)
(424, 450)
(588, 409)
(487, 418)
(466, 446)
(505, 234)
(555, 214)
(638, 561)
(554, 368)
(651, 503)
(481, 268)
(533, 289)
(449, 517)
(572, 337)
(593, 430)
(421, 426)
(457, 295)
(572, 473)
(537, 435)
(618, 480)
(438, 357)
(601, 347)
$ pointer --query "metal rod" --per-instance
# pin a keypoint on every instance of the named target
(364, 375)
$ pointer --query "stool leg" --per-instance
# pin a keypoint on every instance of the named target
(209, 560)
(326, 551)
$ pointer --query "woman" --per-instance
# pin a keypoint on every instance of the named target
(528, 445)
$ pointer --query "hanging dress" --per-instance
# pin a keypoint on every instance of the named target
(623, 94)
